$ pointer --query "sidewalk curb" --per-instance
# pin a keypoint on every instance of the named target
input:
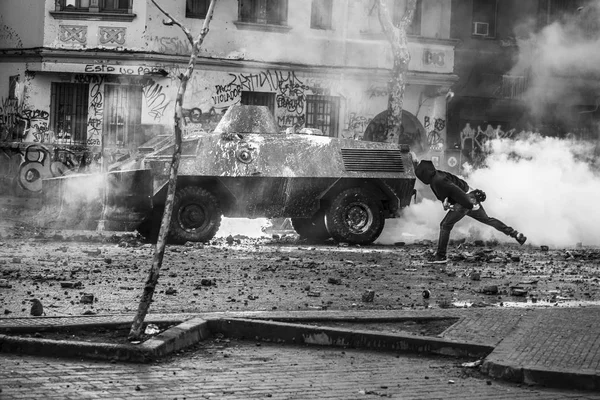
(197, 329)
(165, 343)
(572, 379)
(283, 332)
(299, 329)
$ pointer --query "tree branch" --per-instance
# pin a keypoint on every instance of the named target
(176, 22)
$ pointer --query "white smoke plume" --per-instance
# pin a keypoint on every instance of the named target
(561, 61)
(545, 187)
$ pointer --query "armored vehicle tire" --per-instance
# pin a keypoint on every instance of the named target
(196, 215)
(313, 229)
(355, 217)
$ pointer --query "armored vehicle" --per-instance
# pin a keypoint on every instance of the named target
(330, 188)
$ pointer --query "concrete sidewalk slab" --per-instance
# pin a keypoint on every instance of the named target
(551, 347)
(556, 347)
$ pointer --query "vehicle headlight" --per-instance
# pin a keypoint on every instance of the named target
(245, 156)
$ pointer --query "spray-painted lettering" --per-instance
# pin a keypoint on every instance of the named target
(156, 100)
(434, 130)
(95, 112)
(172, 45)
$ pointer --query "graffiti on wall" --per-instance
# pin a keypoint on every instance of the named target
(477, 138)
(23, 124)
(356, 126)
(172, 45)
(155, 99)
(377, 91)
(435, 128)
(9, 118)
(23, 168)
(290, 93)
(95, 108)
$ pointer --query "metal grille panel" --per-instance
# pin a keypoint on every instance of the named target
(69, 111)
(372, 160)
(322, 112)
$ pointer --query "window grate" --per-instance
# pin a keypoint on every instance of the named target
(69, 106)
(122, 116)
(272, 12)
(322, 112)
(196, 8)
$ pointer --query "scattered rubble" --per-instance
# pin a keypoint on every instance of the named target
(368, 296)
(87, 298)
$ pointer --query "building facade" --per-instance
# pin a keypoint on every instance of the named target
(523, 66)
(88, 80)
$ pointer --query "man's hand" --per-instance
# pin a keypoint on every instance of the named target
(447, 206)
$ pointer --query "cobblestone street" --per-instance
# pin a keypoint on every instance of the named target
(245, 370)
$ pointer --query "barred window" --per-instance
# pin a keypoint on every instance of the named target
(196, 8)
(263, 11)
(69, 111)
(322, 112)
(123, 116)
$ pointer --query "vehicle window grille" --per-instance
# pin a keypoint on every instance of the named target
(259, 99)
(372, 160)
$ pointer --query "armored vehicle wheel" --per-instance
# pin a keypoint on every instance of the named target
(355, 217)
(313, 229)
(196, 215)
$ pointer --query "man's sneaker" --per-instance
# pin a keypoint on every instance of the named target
(437, 259)
(521, 238)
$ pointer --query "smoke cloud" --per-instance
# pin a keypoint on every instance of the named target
(542, 186)
(545, 187)
(560, 60)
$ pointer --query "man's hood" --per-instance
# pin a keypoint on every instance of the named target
(425, 171)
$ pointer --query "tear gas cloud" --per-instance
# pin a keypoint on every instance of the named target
(545, 187)
(74, 202)
(559, 58)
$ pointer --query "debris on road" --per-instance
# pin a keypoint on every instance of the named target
(518, 291)
(368, 296)
(151, 329)
(37, 309)
(334, 281)
(490, 289)
(87, 298)
(472, 364)
(92, 253)
(71, 285)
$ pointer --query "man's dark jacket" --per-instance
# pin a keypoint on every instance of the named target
(444, 184)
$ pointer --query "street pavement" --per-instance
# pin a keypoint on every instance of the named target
(532, 348)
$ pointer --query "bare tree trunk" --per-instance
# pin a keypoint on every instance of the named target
(159, 251)
(397, 36)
